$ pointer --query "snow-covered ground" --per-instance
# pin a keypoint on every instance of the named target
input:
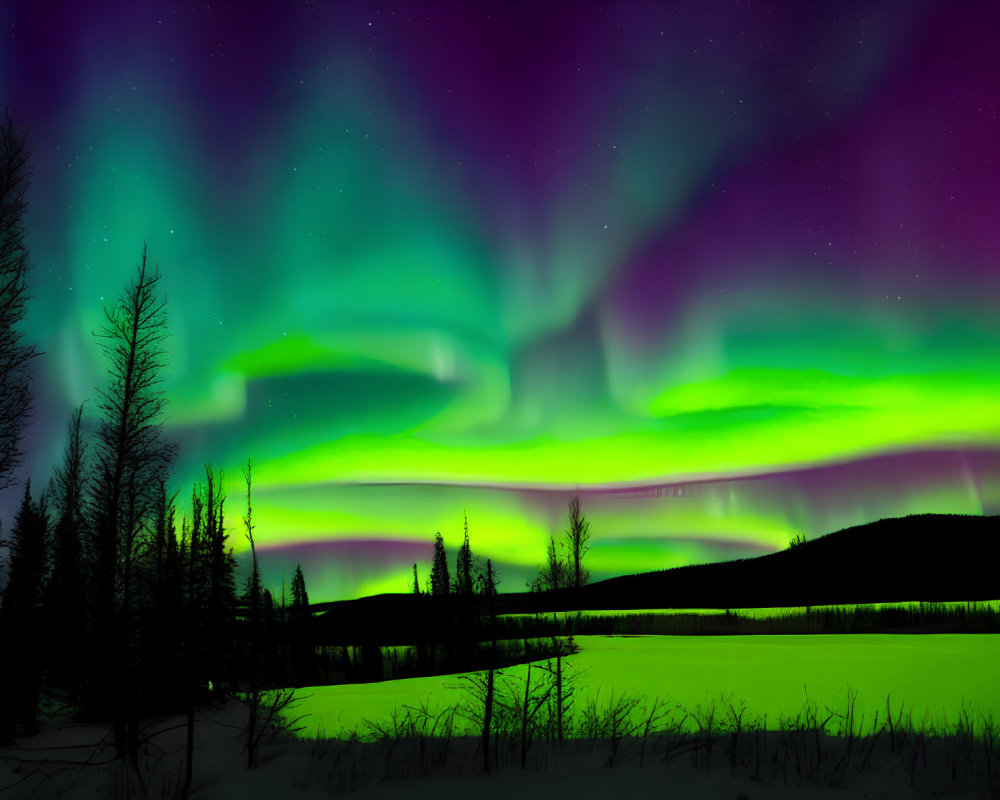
(48, 766)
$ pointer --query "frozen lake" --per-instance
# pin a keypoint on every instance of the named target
(932, 674)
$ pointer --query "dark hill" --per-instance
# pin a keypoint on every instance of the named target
(930, 557)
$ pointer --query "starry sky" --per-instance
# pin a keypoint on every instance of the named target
(728, 270)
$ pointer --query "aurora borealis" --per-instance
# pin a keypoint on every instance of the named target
(731, 270)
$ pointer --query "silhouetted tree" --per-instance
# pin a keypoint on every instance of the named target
(20, 613)
(487, 584)
(300, 597)
(220, 571)
(132, 458)
(167, 622)
(553, 574)
(27, 554)
(463, 566)
(206, 570)
(416, 582)
(487, 581)
(302, 651)
(577, 538)
(194, 562)
(65, 596)
(253, 693)
(440, 581)
(166, 579)
(15, 389)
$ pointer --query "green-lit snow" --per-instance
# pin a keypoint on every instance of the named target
(934, 675)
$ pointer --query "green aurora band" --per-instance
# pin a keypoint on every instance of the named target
(655, 294)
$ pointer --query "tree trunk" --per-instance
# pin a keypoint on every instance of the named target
(524, 720)
(559, 698)
(487, 721)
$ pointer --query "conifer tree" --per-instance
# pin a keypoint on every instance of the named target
(165, 575)
(463, 565)
(255, 597)
(23, 592)
(577, 538)
(300, 597)
(20, 615)
(440, 581)
(132, 458)
(488, 580)
(220, 592)
(302, 651)
(65, 597)
(166, 654)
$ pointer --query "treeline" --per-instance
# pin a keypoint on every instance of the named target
(114, 601)
(563, 567)
(123, 605)
(371, 663)
(903, 618)
(472, 576)
(448, 624)
(113, 598)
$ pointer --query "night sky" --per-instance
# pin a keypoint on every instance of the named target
(730, 270)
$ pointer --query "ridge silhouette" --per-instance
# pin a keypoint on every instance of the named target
(927, 557)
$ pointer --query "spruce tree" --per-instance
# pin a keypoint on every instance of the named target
(21, 618)
(463, 566)
(166, 647)
(577, 538)
(65, 597)
(302, 651)
(488, 579)
(29, 533)
(440, 581)
(300, 597)
(220, 593)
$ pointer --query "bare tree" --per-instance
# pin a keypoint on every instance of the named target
(577, 538)
(15, 380)
(536, 697)
(563, 686)
(253, 613)
(132, 457)
(479, 707)
(553, 575)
